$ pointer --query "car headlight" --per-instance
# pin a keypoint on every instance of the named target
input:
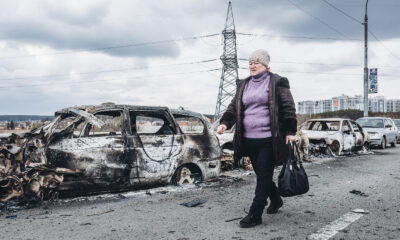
(373, 135)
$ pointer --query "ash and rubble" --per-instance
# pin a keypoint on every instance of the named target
(24, 170)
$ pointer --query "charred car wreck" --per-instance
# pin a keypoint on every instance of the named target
(334, 136)
(110, 147)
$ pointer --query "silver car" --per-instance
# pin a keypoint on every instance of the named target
(381, 130)
(397, 123)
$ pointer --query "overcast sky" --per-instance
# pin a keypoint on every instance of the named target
(56, 54)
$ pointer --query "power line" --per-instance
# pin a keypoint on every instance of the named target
(109, 79)
(309, 63)
(106, 71)
(343, 12)
(114, 47)
(319, 63)
(380, 42)
(295, 37)
(318, 19)
(324, 73)
(356, 20)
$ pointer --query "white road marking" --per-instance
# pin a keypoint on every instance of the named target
(334, 227)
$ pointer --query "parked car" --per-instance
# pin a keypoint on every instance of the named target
(109, 148)
(382, 130)
(397, 123)
(334, 135)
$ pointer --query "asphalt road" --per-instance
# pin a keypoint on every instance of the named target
(325, 211)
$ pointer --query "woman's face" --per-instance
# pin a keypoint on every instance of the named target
(256, 68)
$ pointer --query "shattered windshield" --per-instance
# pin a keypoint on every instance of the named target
(190, 124)
(66, 122)
(324, 125)
(370, 123)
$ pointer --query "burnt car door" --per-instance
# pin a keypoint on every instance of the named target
(348, 137)
(358, 134)
(199, 138)
(97, 152)
(156, 146)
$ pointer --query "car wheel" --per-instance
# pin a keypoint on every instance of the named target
(184, 176)
(335, 148)
(393, 144)
(367, 146)
(383, 143)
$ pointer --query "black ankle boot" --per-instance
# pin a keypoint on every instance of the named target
(253, 218)
(274, 206)
(250, 221)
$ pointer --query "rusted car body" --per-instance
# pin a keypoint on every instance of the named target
(110, 147)
(334, 136)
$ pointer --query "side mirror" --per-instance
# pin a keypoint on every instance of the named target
(346, 131)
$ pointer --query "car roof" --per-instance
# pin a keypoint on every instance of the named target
(186, 113)
(110, 106)
(329, 119)
(373, 118)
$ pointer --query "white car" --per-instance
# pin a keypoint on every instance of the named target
(335, 135)
(382, 130)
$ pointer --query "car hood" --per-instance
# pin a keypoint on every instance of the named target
(377, 130)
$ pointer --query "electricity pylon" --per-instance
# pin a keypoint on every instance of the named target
(227, 86)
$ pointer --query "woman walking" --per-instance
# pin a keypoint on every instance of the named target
(265, 116)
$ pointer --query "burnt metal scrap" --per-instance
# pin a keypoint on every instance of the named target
(24, 169)
(92, 149)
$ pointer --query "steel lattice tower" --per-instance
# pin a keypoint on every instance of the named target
(227, 86)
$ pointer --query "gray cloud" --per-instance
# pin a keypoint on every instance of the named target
(80, 25)
(40, 27)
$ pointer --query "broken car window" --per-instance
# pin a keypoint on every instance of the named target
(67, 122)
(151, 123)
(355, 127)
(64, 123)
(190, 125)
(112, 124)
(324, 126)
(346, 126)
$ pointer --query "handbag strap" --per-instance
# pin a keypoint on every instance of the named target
(294, 153)
(297, 151)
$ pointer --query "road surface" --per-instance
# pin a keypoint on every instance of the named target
(325, 212)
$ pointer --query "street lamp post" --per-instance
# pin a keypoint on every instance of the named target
(366, 61)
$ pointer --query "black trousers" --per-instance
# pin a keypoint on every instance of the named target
(260, 152)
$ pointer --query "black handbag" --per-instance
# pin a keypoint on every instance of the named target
(292, 179)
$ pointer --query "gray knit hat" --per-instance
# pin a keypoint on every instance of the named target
(261, 56)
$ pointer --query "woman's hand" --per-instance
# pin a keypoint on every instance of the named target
(290, 138)
(221, 128)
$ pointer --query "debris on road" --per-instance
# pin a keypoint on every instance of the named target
(359, 193)
(193, 203)
(233, 219)
(100, 213)
(359, 210)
